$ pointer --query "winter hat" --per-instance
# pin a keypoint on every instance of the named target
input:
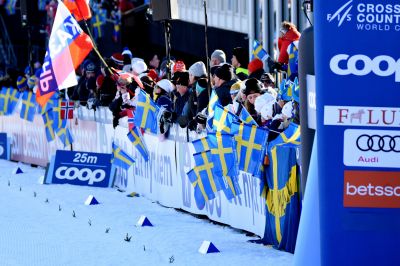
(285, 90)
(31, 82)
(288, 109)
(255, 65)
(198, 69)
(166, 85)
(262, 101)
(152, 74)
(267, 110)
(235, 88)
(139, 67)
(179, 66)
(182, 78)
(224, 72)
(21, 82)
(252, 86)
(127, 52)
(241, 55)
(89, 68)
(267, 77)
(220, 55)
(118, 59)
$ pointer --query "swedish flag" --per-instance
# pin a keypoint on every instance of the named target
(214, 100)
(251, 142)
(48, 124)
(13, 100)
(223, 153)
(65, 136)
(289, 137)
(246, 117)
(283, 199)
(50, 103)
(223, 119)
(293, 63)
(135, 136)
(232, 187)
(98, 21)
(146, 112)
(28, 106)
(4, 100)
(259, 52)
(57, 118)
(10, 7)
(201, 144)
(121, 158)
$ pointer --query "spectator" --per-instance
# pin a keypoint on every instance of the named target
(218, 58)
(240, 60)
(22, 84)
(223, 82)
(256, 68)
(108, 87)
(197, 71)
(288, 34)
(161, 92)
(252, 91)
(118, 60)
(127, 57)
(182, 92)
(148, 85)
(85, 84)
(268, 80)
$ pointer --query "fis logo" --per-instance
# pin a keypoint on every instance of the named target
(342, 14)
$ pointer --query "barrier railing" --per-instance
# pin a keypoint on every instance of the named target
(163, 178)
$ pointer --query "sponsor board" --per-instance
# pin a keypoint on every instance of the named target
(362, 116)
(371, 148)
(365, 16)
(81, 168)
(4, 147)
(371, 189)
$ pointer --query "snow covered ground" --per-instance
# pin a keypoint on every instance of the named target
(37, 227)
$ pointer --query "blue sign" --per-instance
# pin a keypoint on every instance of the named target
(357, 63)
(4, 147)
(81, 168)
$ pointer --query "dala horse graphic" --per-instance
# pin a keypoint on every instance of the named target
(357, 115)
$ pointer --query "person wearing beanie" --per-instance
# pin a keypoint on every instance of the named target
(196, 71)
(218, 57)
(153, 75)
(253, 89)
(240, 60)
(256, 68)
(235, 88)
(223, 82)
(118, 60)
(22, 84)
(161, 93)
(108, 87)
(182, 92)
(127, 52)
(148, 85)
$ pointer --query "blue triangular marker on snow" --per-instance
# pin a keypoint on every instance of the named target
(144, 221)
(19, 171)
(91, 200)
(208, 247)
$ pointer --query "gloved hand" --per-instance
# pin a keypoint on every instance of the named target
(201, 119)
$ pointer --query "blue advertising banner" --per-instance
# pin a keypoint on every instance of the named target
(4, 147)
(357, 59)
(81, 168)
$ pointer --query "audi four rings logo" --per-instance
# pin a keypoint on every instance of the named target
(84, 174)
(376, 143)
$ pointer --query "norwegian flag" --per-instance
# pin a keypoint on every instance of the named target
(67, 109)
(131, 119)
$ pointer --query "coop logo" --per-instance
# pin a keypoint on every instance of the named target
(371, 189)
(362, 65)
(83, 174)
(342, 14)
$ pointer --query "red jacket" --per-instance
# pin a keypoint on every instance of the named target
(283, 43)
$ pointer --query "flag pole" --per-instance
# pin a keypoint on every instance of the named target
(94, 43)
(206, 46)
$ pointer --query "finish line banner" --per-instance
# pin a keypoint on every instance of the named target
(358, 87)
